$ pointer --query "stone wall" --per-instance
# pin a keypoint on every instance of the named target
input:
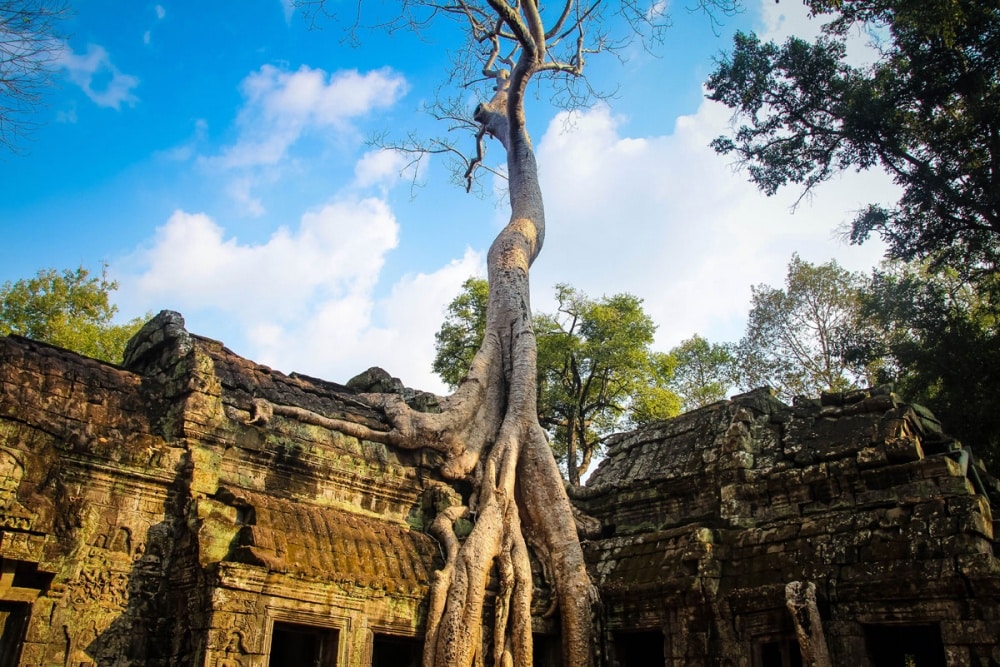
(195, 508)
(146, 520)
(708, 517)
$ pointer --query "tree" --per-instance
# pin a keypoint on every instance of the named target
(795, 337)
(936, 337)
(71, 309)
(29, 48)
(488, 429)
(703, 372)
(596, 372)
(927, 111)
(461, 334)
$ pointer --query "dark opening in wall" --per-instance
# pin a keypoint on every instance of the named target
(905, 645)
(13, 624)
(639, 649)
(393, 651)
(303, 646)
(781, 652)
(546, 650)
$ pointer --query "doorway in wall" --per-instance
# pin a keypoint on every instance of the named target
(777, 652)
(639, 649)
(303, 646)
(13, 624)
(395, 651)
(904, 645)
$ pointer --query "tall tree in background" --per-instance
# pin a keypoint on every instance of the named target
(703, 372)
(68, 308)
(488, 430)
(937, 339)
(30, 45)
(927, 111)
(795, 336)
(596, 372)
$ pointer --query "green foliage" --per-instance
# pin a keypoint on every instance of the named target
(596, 372)
(703, 373)
(927, 111)
(461, 334)
(936, 337)
(795, 337)
(70, 309)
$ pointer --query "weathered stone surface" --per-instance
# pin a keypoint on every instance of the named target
(147, 522)
(708, 517)
(181, 511)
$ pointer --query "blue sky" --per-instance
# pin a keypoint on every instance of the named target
(217, 160)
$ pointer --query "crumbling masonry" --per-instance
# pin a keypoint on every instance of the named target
(194, 508)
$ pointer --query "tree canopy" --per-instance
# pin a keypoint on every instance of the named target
(703, 372)
(596, 371)
(795, 336)
(936, 338)
(927, 111)
(461, 333)
(68, 308)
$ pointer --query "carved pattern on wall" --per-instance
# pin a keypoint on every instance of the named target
(101, 580)
(13, 515)
(233, 652)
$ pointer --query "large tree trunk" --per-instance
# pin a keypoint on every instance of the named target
(519, 480)
(490, 435)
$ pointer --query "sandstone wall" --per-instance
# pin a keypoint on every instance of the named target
(708, 517)
(147, 521)
(193, 508)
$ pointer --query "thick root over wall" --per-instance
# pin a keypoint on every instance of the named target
(489, 433)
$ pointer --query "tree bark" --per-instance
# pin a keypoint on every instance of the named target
(800, 598)
(489, 432)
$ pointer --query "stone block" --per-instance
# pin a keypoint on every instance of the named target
(903, 450)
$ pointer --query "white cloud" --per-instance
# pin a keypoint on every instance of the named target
(161, 13)
(342, 337)
(98, 77)
(304, 299)
(336, 250)
(384, 168)
(281, 106)
(785, 19)
(664, 218)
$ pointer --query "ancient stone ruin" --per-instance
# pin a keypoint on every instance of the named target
(195, 508)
